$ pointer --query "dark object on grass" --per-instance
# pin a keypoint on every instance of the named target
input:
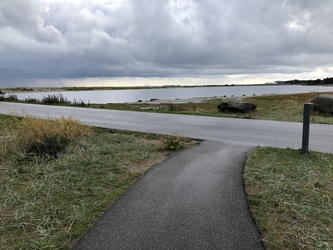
(323, 104)
(236, 107)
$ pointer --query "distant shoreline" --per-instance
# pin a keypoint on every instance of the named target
(61, 89)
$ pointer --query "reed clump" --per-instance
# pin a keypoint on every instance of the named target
(34, 137)
(55, 99)
(8, 98)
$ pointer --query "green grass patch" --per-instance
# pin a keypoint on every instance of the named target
(287, 108)
(48, 203)
(291, 197)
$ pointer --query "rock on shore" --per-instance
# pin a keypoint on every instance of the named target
(323, 104)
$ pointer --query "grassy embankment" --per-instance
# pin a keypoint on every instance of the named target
(291, 197)
(57, 177)
(270, 107)
(288, 107)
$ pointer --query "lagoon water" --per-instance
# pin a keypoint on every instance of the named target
(133, 95)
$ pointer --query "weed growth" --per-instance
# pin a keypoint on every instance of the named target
(80, 103)
(172, 142)
(8, 98)
(31, 100)
(55, 99)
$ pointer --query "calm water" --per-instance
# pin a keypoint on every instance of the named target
(123, 96)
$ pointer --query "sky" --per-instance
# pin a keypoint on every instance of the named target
(124, 42)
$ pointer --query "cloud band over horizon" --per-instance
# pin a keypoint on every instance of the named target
(53, 39)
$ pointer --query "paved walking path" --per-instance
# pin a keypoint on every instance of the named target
(193, 200)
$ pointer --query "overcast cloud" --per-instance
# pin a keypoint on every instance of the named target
(161, 38)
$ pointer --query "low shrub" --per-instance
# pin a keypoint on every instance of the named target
(55, 99)
(80, 103)
(31, 100)
(44, 138)
(172, 142)
(8, 98)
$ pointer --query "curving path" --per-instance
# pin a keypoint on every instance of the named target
(192, 200)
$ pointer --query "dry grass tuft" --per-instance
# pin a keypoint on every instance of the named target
(43, 138)
(171, 142)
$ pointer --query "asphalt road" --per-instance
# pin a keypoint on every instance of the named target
(253, 132)
(192, 200)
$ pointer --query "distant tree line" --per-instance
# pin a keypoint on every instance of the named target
(326, 81)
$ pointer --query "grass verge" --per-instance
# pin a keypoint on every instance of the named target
(49, 202)
(291, 197)
(287, 107)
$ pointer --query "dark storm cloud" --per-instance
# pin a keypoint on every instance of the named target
(58, 38)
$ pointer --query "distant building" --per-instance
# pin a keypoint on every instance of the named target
(279, 82)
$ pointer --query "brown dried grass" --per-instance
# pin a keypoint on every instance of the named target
(43, 138)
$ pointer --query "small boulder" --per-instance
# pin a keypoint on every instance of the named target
(237, 107)
(323, 104)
